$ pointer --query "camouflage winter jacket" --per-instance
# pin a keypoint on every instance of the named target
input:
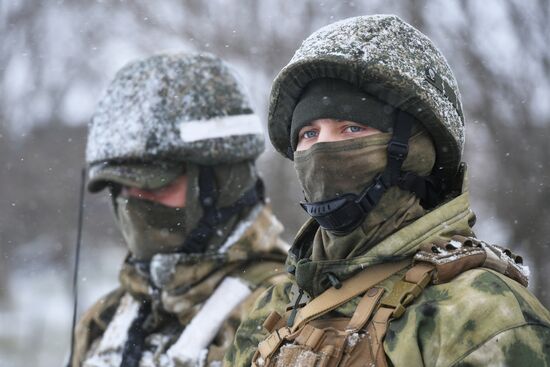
(184, 309)
(479, 318)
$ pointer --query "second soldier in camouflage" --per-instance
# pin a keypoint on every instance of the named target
(174, 139)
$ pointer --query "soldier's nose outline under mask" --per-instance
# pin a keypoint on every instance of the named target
(340, 170)
(149, 227)
(330, 169)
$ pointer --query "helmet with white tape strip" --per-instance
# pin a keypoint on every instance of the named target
(171, 109)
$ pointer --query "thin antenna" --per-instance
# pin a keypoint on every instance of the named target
(77, 262)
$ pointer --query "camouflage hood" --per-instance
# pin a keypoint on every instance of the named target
(452, 218)
(177, 282)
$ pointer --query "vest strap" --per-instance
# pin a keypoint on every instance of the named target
(365, 309)
(377, 329)
(407, 289)
(332, 298)
(372, 307)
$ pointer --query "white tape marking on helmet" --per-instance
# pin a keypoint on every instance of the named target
(191, 131)
(197, 336)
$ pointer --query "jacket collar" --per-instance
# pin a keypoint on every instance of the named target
(176, 282)
(451, 218)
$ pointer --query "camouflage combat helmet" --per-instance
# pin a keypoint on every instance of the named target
(171, 108)
(387, 58)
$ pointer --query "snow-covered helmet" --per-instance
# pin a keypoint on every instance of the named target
(169, 115)
(387, 58)
(171, 108)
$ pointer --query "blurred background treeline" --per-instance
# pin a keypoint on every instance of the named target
(56, 58)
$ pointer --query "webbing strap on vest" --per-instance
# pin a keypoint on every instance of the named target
(377, 329)
(328, 301)
(385, 309)
(407, 289)
(333, 298)
(364, 309)
(392, 306)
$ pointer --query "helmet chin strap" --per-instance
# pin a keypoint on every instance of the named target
(213, 216)
(343, 214)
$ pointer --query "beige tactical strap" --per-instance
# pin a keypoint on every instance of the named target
(364, 309)
(333, 298)
(378, 327)
(418, 272)
(273, 341)
(310, 336)
(393, 306)
(328, 301)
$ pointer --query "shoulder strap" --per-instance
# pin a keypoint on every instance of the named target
(324, 303)
(451, 258)
(393, 306)
(364, 309)
(333, 298)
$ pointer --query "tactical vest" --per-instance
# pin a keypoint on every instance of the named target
(307, 339)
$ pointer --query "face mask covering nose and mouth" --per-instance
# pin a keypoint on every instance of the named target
(338, 177)
(343, 181)
(150, 228)
(331, 169)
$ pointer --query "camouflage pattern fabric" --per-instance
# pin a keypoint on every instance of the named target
(480, 318)
(178, 286)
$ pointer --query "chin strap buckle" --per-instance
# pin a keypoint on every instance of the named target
(398, 150)
(368, 199)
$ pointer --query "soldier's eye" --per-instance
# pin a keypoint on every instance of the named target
(353, 129)
(309, 134)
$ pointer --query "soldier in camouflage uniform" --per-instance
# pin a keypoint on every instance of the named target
(174, 139)
(388, 270)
